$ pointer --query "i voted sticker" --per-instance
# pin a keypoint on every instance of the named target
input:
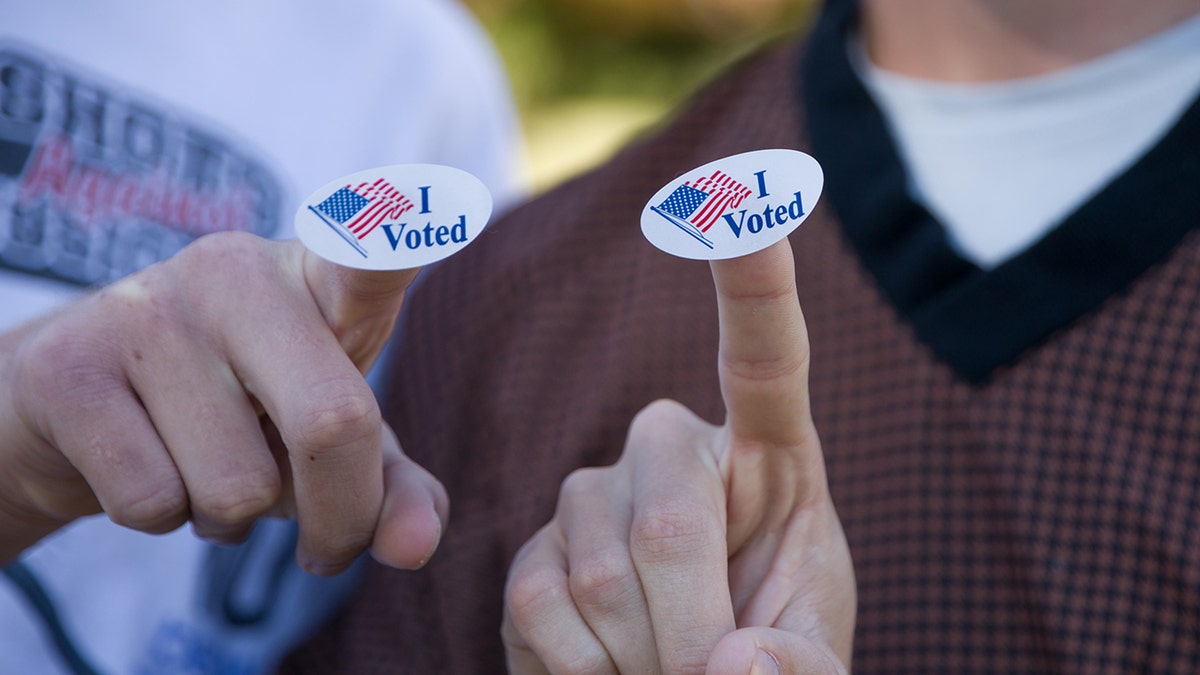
(394, 217)
(734, 206)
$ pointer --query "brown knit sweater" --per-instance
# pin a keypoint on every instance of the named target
(1041, 514)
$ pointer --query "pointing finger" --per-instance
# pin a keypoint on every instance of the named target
(764, 352)
(378, 227)
(360, 306)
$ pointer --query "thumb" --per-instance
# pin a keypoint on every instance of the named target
(770, 651)
(415, 509)
(360, 306)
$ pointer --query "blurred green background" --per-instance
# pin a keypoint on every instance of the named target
(589, 74)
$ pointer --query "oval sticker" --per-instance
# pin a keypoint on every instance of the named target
(734, 206)
(394, 217)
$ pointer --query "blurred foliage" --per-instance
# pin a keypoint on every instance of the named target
(652, 49)
(588, 74)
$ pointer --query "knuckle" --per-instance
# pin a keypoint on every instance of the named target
(161, 507)
(605, 580)
(237, 502)
(656, 414)
(222, 247)
(345, 413)
(660, 421)
(766, 370)
(65, 366)
(579, 485)
(673, 527)
(534, 596)
(532, 591)
(766, 289)
(149, 302)
(240, 256)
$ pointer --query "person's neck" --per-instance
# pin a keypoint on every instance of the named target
(990, 40)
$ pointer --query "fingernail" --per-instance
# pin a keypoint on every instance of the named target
(436, 541)
(764, 664)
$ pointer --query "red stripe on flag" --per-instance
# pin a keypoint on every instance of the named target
(712, 211)
(357, 224)
(388, 209)
(726, 193)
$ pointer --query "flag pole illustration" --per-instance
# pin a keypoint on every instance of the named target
(694, 206)
(353, 213)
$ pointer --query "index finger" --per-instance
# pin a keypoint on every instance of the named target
(283, 342)
(367, 233)
(764, 351)
(334, 433)
(360, 306)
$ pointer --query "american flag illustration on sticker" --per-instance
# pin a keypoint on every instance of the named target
(696, 205)
(354, 212)
(733, 206)
(398, 217)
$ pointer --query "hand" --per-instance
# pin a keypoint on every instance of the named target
(703, 549)
(219, 386)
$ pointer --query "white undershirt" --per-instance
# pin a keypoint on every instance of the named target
(1000, 164)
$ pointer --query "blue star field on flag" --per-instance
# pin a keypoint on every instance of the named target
(343, 204)
(684, 201)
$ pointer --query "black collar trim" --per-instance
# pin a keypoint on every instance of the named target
(977, 321)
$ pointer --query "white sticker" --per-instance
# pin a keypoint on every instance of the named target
(734, 206)
(394, 217)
